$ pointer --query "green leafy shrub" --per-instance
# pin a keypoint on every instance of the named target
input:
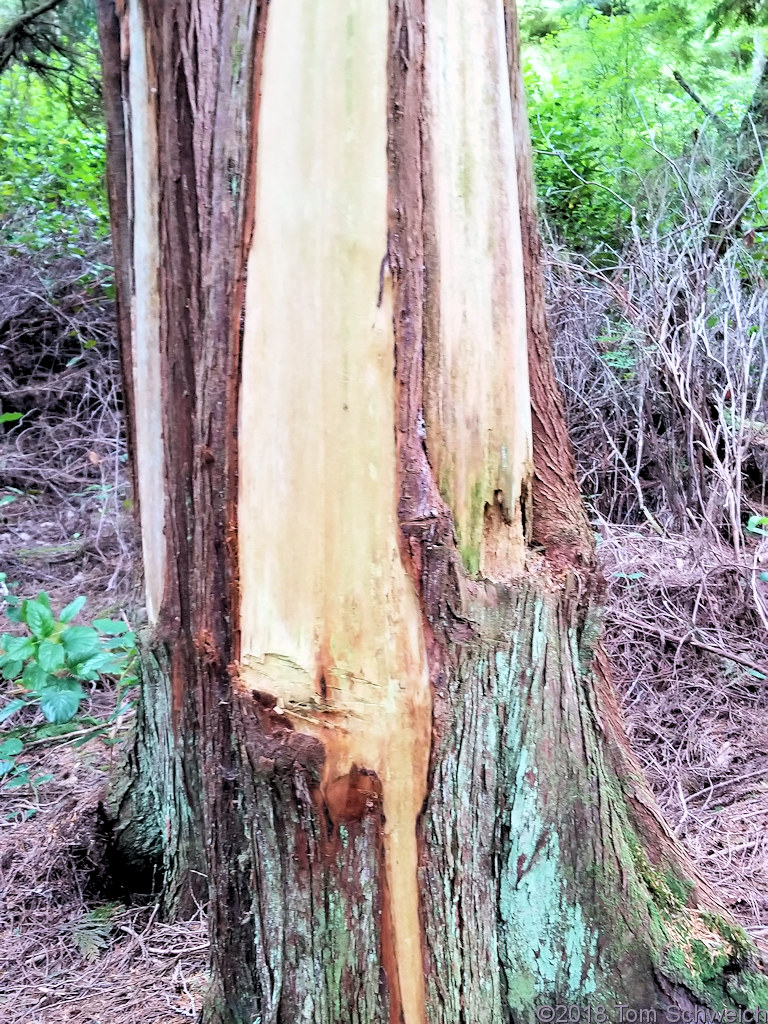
(48, 663)
(52, 167)
(608, 110)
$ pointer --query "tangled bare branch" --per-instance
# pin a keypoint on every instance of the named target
(32, 37)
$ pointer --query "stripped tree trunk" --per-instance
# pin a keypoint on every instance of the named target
(376, 714)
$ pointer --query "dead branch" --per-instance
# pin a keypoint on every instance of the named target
(29, 34)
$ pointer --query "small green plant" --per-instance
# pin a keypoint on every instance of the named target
(91, 933)
(756, 524)
(47, 665)
(620, 359)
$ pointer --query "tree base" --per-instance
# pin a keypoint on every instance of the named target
(545, 873)
(155, 801)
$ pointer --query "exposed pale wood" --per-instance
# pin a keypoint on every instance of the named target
(145, 311)
(476, 390)
(330, 621)
(113, 85)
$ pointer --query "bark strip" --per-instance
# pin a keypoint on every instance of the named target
(560, 523)
(114, 85)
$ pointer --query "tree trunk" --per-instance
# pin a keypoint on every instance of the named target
(376, 715)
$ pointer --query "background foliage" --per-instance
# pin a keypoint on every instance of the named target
(609, 107)
(52, 142)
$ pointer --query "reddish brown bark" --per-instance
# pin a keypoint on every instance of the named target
(204, 119)
(113, 88)
(560, 524)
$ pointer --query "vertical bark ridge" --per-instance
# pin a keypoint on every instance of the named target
(560, 523)
(203, 53)
(114, 86)
(476, 396)
(317, 885)
(194, 103)
(156, 830)
(144, 350)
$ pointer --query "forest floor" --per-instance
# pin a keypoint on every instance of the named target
(680, 628)
(71, 949)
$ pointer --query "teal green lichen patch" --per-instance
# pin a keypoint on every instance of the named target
(547, 936)
(549, 946)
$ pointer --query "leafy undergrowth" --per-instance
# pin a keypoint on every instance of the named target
(73, 948)
(46, 664)
(71, 951)
(74, 944)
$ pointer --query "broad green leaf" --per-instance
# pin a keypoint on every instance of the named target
(112, 627)
(17, 647)
(80, 642)
(35, 677)
(19, 780)
(60, 705)
(6, 766)
(99, 664)
(7, 499)
(39, 618)
(126, 642)
(10, 417)
(12, 608)
(50, 656)
(11, 669)
(11, 747)
(755, 522)
(11, 708)
(72, 609)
